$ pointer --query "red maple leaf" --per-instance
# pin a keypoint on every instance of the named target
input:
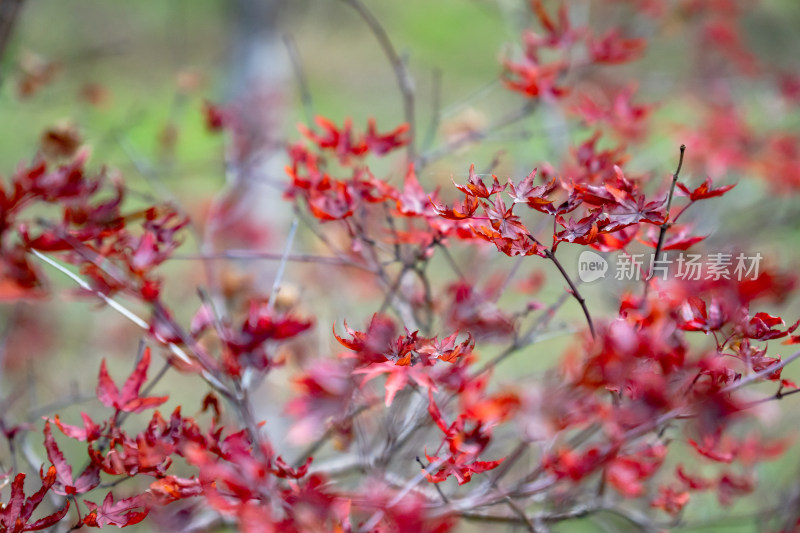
(398, 377)
(704, 191)
(128, 399)
(15, 515)
(459, 465)
(383, 143)
(90, 430)
(65, 485)
(504, 221)
(466, 210)
(583, 231)
(612, 48)
(121, 513)
(630, 208)
(533, 195)
(476, 187)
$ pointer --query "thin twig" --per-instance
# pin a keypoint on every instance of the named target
(276, 284)
(127, 313)
(269, 256)
(667, 223)
(436, 112)
(575, 293)
(9, 13)
(404, 80)
(435, 485)
(474, 136)
(300, 76)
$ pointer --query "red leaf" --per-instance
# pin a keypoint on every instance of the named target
(107, 391)
(88, 480)
(90, 430)
(121, 513)
(171, 488)
(534, 196)
(466, 210)
(612, 48)
(476, 187)
(128, 400)
(704, 191)
(14, 515)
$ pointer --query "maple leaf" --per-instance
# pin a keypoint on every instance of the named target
(670, 500)
(691, 481)
(283, 470)
(504, 221)
(694, 315)
(630, 209)
(559, 35)
(533, 79)
(533, 195)
(65, 485)
(413, 201)
(446, 349)
(16, 514)
(324, 394)
(583, 231)
(339, 141)
(172, 488)
(373, 344)
(618, 240)
(122, 513)
(627, 120)
(332, 203)
(476, 187)
(758, 359)
(704, 191)
(612, 48)
(466, 210)
(383, 143)
(398, 378)
(627, 473)
(565, 463)
(264, 324)
(762, 327)
(475, 311)
(730, 486)
(128, 399)
(717, 448)
(90, 430)
(460, 467)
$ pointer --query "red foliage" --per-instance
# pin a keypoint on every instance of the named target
(673, 362)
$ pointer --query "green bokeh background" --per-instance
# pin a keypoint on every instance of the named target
(136, 50)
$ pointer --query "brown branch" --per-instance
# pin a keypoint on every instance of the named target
(404, 80)
(270, 256)
(300, 76)
(667, 223)
(436, 112)
(575, 293)
(9, 14)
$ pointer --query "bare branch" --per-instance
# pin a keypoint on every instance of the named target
(667, 223)
(404, 80)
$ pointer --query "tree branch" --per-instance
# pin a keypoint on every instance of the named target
(667, 223)
(404, 80)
